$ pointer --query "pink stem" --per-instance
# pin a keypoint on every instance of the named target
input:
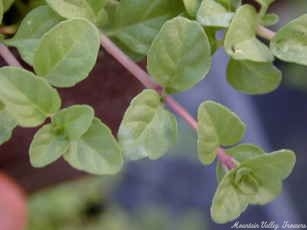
(265, 33)
(225, 159)
(8, 56)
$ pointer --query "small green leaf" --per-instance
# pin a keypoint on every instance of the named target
(7, 124)
(73, 121)
(240, 40)
(138, 21)
(227, 203)
(253, 77)
(180, 55)
(147, 129)
(257, 180)
(47, 146)
(67, 53)
(32, 28)
(192, 6)
(241, 153)
(72, 8)
(96, 152)
(289, 44)
(270, 19)
(29, 99)
(217, 125)
(212, 13)
(278, 165)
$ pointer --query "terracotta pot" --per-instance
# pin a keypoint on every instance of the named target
(109, 89)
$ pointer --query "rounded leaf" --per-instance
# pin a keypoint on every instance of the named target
(96, 152)
(29, 99)
(289, 43)
(217, 125)
(192, 6)
(36, 23)
(73, 121)
(47, 146)
(253, 77)
(180, 55)
(67, 53)
(147, 129)
(7, 125)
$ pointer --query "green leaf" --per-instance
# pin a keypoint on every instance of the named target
(7, 124)
(253, 77)
(230, 4)
(180, 55)
(270, 19)
(138, 21)
(278, 165)
(227, 203)
(289, 44)
(192, 6)
(67, 53)
(29, 99)
(257, 180)
(147, 129)
(96, 152)
(212, 13)
(1, 11)
(72, 8)
(7, 4)
(217, 125)
(32, 28)
(47, 146)
(241, 153)
(73, 121)
(240, 40)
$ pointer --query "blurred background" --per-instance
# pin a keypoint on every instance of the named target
(175, 192)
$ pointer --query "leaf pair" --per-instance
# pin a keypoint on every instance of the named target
(217, 126)
(249, 54)
(249, 183)
(63, 52)
(84, 142)
(147, 129)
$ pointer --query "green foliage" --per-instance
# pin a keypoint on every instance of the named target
(32, 28)
(67, 53)
(61, 42)
(180, 55)
(253, 77)
(192, 6)
(7, 124)
(147, 129)
(47, 146)
(290, 42)
(136, 22)
(255, 181)
(27, 98)
(213, 13)
(96, 151)
(217, 126)
(240, 40)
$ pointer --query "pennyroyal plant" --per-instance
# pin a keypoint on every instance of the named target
(61, 40)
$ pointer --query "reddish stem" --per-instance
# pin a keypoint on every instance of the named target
(8, 56)
(225, 159)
